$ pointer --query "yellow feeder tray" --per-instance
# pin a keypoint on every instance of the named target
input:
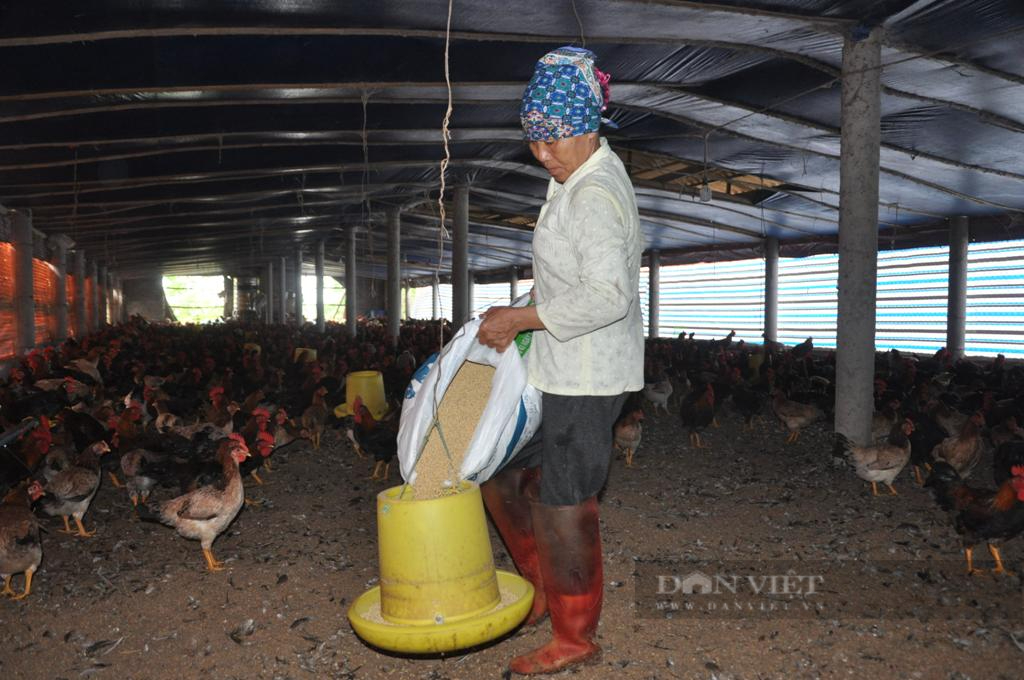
(369, 386)
(439, 590)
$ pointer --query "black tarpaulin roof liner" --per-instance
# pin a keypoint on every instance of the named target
(216, 119)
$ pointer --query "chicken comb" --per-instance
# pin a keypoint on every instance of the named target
(234, 436)
(1017, 470)
(265, 436)
(216, 390)
(260, 412)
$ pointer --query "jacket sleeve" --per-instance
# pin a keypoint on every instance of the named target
(601, 247)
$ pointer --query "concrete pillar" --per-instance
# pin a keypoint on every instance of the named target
(350, 281)
(298, 285)
(268, 292)
(282, 299)
(59, 257)
(470, 283)
(513, 283)
(460, 259)
(956, 313)
(94, 318)
(858, 235)
(24, 294)
(435, 293)
(394, 283)
(653, 293)
(771, 289)
(321, 319)
(408, 307)
(229, 297)
(81, 324)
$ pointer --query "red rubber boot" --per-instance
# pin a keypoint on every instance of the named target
(569, 544)
(507, 496)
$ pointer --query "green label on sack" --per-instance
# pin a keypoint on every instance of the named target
(523, 339)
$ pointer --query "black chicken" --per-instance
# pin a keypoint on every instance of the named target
(926, 436)
(980, 514)
(697, 412)
(376, 438)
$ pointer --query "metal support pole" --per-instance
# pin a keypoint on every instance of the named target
(956, 311)
(282, 298)
(102, 286)
(470, 282)
(350, 281)
(94, 318)
(461, 301)
(298, 285)
(394, 290)
(771, 289)
(24, 295)
(59, 257)
(408, 308)
(435, 294)
(858, 236)
(229, 297)
(653, 293)
(321, 319)
(81, 324)
(513, 283)
(268, 292)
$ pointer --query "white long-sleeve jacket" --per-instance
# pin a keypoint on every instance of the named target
(586, 269)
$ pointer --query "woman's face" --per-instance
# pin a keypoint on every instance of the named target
(562, 157)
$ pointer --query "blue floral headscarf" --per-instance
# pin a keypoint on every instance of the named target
(565, 97)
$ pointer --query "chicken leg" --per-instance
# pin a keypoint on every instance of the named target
(7, 586)
(81, 529)
(212, 564)
(969, 554)
(266, 465)
(917, 476)
(377, 476)
(28, 586)
(256, 477)
(629, 457)
(67, 526)
(793, 436)
(115, 481)
(1000, 569)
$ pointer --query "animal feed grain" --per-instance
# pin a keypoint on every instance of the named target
(459, 412)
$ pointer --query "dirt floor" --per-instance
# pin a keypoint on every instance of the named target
(136, 602)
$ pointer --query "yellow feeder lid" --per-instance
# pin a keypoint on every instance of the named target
(435, 638)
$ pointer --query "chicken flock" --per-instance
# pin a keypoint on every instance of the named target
(183, 419)
(938, 415)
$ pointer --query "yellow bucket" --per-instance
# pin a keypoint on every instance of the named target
(369, 386)
(439, 590)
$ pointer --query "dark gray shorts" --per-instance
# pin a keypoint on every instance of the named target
(573, 446)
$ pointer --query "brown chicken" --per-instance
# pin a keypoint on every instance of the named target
(20, 548)
(70, 491)
(627, 432)
(794, 415)
(314, 418)
(963, 451)
(204, 513)
(880, 462)
(980, 514)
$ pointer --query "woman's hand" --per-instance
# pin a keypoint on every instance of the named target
(499, 327)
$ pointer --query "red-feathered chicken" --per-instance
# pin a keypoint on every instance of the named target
(376, 438)
(980, 514)
(204, 513)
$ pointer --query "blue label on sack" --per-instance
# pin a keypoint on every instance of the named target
(419, 376)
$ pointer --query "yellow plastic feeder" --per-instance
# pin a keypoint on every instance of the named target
(369, 386)
(307, 354)
(439, 590)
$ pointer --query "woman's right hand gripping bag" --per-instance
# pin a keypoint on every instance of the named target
(509, 420)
